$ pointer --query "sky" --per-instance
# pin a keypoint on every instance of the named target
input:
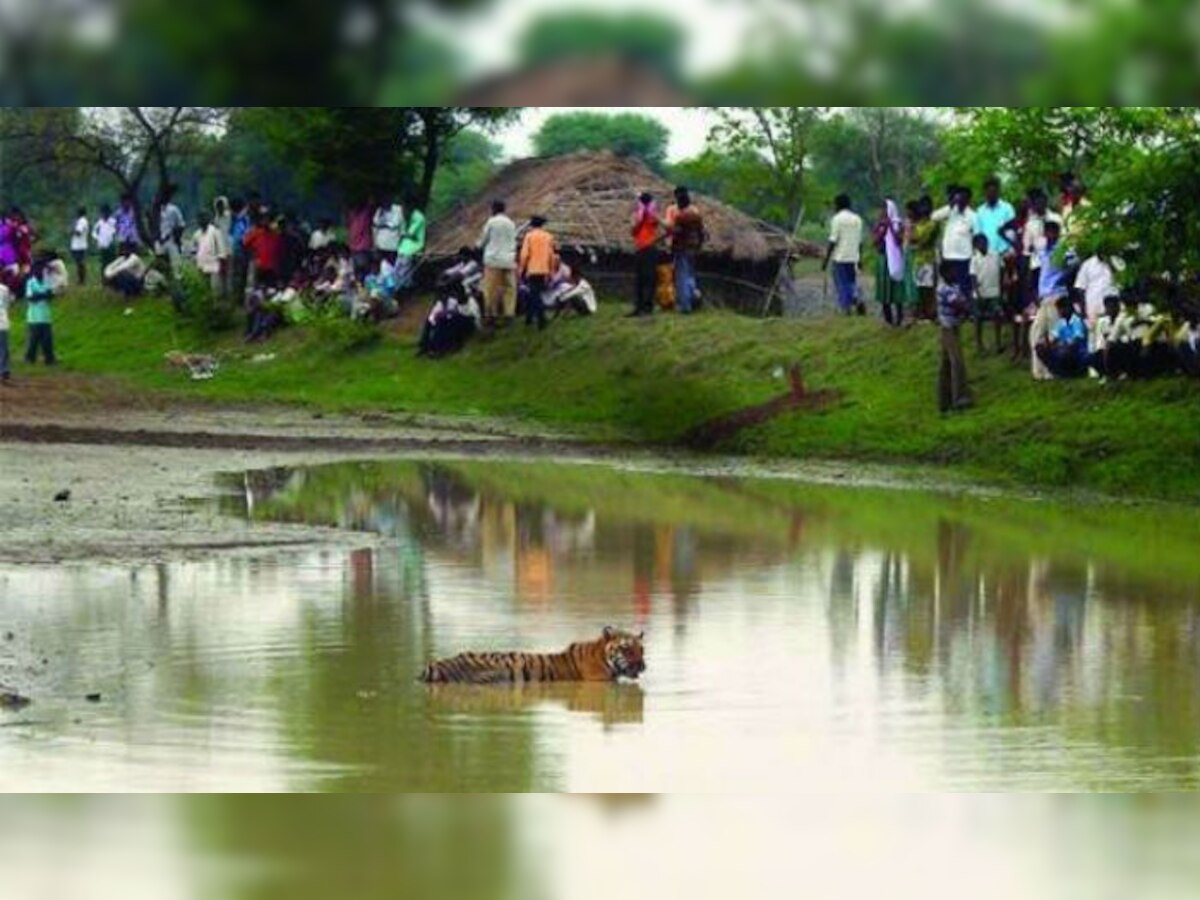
(688, 127)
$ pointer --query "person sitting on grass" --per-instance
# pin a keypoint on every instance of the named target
(466, 271)
(1052, 286)
(1187, 343)
(1102, 338)
(986, 271)
(579, 298)
(38, 317)
(454, 317)
(1065, 351)
(337, 278)
(953, 310)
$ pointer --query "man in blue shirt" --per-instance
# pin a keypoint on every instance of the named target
(992, 216)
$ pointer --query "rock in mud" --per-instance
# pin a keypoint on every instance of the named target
(94, 698)
(62, 497)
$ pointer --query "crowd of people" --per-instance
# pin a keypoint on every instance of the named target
(1020, 268)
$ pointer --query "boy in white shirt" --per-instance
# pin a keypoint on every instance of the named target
(104, 234)
(986, 270)
(79, 244)
(5, 301)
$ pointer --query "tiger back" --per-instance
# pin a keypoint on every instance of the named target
(615, 655)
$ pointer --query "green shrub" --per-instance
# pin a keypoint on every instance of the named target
(194, 298)
(338, 332)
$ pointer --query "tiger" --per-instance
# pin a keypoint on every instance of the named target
(616, 655)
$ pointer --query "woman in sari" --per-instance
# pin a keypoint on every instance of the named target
(890, 272)
(923, 250)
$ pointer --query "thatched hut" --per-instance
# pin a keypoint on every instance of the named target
(588, 199)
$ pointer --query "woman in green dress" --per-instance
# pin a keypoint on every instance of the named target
(923, 249)
(890, 271)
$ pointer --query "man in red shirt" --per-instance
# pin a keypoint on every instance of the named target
(647, 232)
(266, 245)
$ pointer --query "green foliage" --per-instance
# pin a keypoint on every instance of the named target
(1141, 166)
(874, 152)
(627, 134)
(472, 158)
(780, 134)
(369, 151)
(210, 314)
(743, 180)
(645, 38)
(339, 334)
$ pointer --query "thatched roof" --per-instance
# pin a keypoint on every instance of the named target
(597, 81)
(588, 199)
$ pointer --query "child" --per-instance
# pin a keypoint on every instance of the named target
(537, 262)
(1102, 337)
(953, 310)
(5, 300)
(79, 244)
(38, 295)
(1065, 351)
(986, 270)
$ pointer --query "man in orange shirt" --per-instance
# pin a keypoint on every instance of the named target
(647, 232)
(539, 258)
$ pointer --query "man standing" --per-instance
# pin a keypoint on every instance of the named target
(127, 224)
(499, 245)
(539, 258)
(687, 240)
(845, 252)
(79, 245)
(388, 225)
(210, 253)
(170, 228)
(104, 233)
(992, 217)
(647, 232)
(959, 224)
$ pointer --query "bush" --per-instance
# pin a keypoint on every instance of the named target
(337, 331)
(194, 298)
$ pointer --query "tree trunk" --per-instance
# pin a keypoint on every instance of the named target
(429, 164)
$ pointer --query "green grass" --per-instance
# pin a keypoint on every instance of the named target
(651, 382)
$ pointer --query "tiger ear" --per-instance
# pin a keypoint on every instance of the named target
(609, 632)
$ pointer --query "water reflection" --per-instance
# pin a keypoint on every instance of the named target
(800, 638)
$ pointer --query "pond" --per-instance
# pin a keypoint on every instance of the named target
(799, 638)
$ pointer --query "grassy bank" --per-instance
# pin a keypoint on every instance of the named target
(651, 382)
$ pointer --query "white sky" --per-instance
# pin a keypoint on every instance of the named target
(688, 127)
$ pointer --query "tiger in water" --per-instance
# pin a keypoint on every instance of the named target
(616, 655)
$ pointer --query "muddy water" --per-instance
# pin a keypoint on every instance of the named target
(799, 639)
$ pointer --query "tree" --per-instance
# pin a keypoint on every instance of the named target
(370, 151)
(471, 159)
(628, 134)
(781, 134)
(743, 180)
(643, 38)
(133, 146)
(873, 152)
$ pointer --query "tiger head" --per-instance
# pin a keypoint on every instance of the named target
(623, 653)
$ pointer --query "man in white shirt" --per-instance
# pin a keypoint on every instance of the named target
(170, 228)
(104, 234)
(322, 236)
(126, 274)
(499, 245)
(388, 226)
(1097, 282)
(959, 225)
(79, 244)
(845, 252)
(210, 249)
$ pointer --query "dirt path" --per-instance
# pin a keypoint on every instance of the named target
(139, 468)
